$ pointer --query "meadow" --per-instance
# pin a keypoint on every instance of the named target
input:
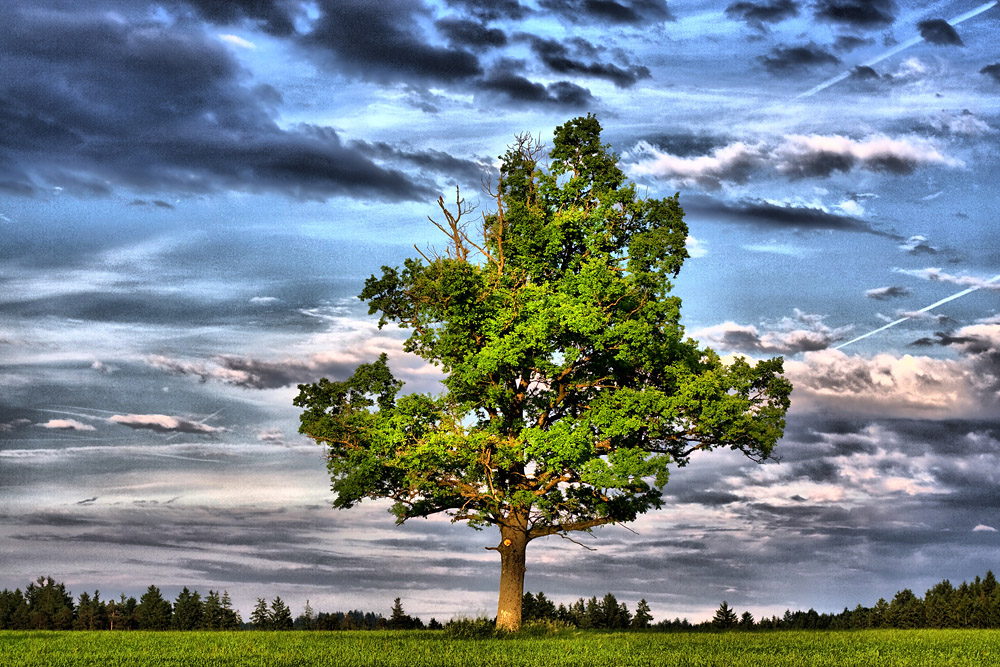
(895, 648)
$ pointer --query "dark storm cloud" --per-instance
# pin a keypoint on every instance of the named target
(383, 42)
(629, 12)
(685, 143)
(992, 71)
(272, 15)
(756, 14)
(887, 293)
(491, 10)
(850, 42)
(863, 14)
(151, 108)
(940, 32)
(560, 59)
(764, 214)
(463, 32)
(791, 58)
(508, 88)
(864, 73)
(467, 171)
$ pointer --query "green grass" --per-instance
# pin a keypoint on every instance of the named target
(410, 649)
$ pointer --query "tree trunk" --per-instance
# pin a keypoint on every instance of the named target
(513, 544)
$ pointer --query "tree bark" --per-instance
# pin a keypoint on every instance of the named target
(512, 548)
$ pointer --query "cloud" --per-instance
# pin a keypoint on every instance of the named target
(983, 528)
(793, 156)
(165, 424)
(271, 15)
(14, 425)
(918, 245)
(937, 275)
(803, 332)
(845, 43)
(862, 14)
(887, 293)
(992, 71)
(802, 156)
(695, 247)
(463, 32)
(734, 163)
(892, 386)
(383, 42)
(511, 89)
(864, 73)
(940, 32)
(756, 14)
(238, 41)
(627, 12)
(177, 116)
(807, 56)
(427, 160)
(776, 215)
(67, 425)
(562, 59)
(965, 123)
(492, 10)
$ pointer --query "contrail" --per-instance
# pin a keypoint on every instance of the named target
(922, 310)
(896, 49)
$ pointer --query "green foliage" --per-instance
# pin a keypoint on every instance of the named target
(642, 617)
(281, 616)
(188, 611)
(725, 617)
(570, 387)
(153, 612)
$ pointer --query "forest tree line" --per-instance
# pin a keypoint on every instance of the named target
(47, 605)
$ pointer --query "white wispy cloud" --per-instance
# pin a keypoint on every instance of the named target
(67, 425)
(165, 424)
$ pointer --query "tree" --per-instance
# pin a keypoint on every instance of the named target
(398, 619)
(188, 611)
(153, 612)
(725, 617)
(261, 616)
(50, 606)
(642, 617)
(570, 388)
(14, 614)
(281, 615)
(746, 621)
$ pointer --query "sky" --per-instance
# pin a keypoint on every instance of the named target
(192, 193)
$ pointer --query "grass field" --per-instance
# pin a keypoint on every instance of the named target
(410, 649)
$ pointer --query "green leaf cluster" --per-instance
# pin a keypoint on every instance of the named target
(570, 388)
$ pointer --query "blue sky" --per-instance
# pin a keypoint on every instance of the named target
(192, 193)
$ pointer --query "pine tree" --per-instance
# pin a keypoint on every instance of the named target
(153, 612)
(261, 617)
(187, 611)
(50, 606)
(398, 620)
(281, 615)
(642, 617)
(746, 621)
(725, 617)
(231, 619)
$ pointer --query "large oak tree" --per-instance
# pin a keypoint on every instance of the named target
(570, 388)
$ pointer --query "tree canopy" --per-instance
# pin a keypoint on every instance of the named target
(570, 388)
